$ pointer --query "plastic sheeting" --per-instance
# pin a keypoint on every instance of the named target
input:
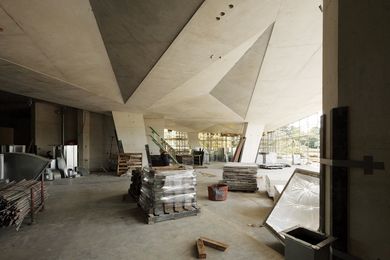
(161, 187)
(298, 204)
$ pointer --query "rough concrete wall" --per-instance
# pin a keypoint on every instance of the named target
(364, 86)
(70, 121)
(330, 78)
(130, 128)
(47, 127)
(102, 140)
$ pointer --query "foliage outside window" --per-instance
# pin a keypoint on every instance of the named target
(298, 142)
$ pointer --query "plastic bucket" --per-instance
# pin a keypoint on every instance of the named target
(218, 192)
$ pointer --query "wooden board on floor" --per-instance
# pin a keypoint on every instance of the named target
(201, 249)
(214, 244)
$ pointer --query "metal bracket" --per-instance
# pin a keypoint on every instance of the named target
(367, 164)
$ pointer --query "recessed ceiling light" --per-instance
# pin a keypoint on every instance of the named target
(1, 29)
(218, 18)
(231, 6)
(222, 13)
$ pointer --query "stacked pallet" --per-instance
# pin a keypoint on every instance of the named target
(240, 176)
(128, 161)
(19, 199)
(168, 194)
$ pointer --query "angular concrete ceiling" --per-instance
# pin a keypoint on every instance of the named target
(171, 59)
(137, 33)
(59, 39)
(236, 88)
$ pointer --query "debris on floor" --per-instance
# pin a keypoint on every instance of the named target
(204, 241)
(19, 199)
(168, 194)
(206, 174)
(201, 249)
(240, 176)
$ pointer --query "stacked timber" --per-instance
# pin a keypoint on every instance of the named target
(168, 194)
(240, 176)
(19, 199)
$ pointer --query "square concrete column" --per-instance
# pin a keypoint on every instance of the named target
(253, 133)
(357, 75)
(130, 128)
(83, 126)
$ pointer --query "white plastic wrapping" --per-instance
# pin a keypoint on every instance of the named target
(167, 188)
(298, 204)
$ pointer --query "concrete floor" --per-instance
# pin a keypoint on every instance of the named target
(85, 218)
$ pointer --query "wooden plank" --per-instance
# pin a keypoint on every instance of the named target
(214, 244)
(201, 249)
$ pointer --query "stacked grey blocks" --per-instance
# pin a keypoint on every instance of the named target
(168, 191)
(240, 176)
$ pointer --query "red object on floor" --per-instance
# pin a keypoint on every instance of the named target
(218, 192)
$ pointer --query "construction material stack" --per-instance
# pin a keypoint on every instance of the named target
(240, 176)
(19, 199)
(168, 194)
(136, 184)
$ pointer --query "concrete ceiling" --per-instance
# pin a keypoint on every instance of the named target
(261, 61)
(137, 33)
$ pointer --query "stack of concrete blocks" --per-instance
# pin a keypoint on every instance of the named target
(168, 191)
(240, 176)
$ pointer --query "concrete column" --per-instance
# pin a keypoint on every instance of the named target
(130, 128)
(158, 124)
(193, 140)
(356, 75)
(83, 126)
(253, 133)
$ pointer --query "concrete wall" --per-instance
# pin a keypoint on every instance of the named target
(356, 74)
(102, 141)
(47, 126)
(130, 128)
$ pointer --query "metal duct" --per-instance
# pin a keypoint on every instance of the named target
(19, 166)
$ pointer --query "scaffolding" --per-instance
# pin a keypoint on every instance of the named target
(178, 140)
(301, 139)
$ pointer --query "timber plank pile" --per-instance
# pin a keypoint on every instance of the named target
(168, 194)
(18, 199)
(240, 176)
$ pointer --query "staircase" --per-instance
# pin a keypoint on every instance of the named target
(163, 145)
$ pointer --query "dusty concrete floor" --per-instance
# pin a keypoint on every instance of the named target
(85, 218)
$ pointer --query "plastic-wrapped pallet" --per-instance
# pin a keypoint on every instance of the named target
(168, 192)
(240, 176)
